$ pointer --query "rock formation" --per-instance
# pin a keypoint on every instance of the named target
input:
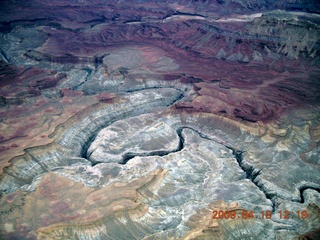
(159, 119)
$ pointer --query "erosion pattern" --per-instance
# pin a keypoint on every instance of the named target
(141, 119)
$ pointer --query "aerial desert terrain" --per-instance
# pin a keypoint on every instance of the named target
(173, 119)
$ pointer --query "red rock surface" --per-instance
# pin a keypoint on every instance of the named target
(251, 64)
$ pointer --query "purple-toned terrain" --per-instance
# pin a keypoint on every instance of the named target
(168, 119)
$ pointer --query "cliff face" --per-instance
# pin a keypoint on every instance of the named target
(294, 37)
(148, 119)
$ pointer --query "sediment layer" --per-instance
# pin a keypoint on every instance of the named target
(142, 121)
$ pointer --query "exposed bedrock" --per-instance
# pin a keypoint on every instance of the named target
(140, 119)
(269, 55)
(202, 172)
(20, 85)
(126, 139)
(165, 193)
(73, 137)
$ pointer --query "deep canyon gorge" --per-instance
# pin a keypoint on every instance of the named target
(172, 119)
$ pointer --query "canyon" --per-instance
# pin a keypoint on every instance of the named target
(142, 119)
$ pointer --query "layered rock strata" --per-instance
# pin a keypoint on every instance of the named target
(204, 167)
(150, 120)
(72, 137)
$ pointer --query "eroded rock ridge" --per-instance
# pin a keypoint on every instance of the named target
(143, 119)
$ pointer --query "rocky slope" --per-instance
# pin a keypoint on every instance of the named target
(148, 119)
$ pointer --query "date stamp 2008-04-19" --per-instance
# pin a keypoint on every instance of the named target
(245, 214)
